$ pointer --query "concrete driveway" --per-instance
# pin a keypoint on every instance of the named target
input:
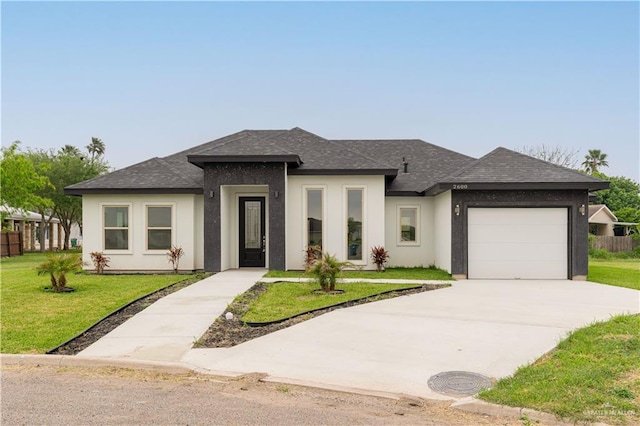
(486, 327)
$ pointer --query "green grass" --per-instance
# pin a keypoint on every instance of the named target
(284, 299)
(33, 320)
(430, 273)
(617, 272)
(593, 375)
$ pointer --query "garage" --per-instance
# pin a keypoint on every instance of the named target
(518, 243)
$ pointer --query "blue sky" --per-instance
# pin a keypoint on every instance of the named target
(153, 78)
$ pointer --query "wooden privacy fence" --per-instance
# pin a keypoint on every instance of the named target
(11, 243)
(614, 244)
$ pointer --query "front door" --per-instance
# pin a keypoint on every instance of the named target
(253, 239)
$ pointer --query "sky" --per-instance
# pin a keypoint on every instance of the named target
(154, 78)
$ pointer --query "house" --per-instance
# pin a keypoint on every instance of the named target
(258, 198)
(603, 222)
(28, 223)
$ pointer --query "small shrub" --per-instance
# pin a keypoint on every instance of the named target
(57, 266)
(326, 270)
(174, 254)
(599, 254)
(311, 255)
(100, 261)
(592, 240)
(380, 257)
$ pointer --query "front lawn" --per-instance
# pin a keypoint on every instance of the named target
(430, 273)
(284, 299)
(618, 272)
(34, 320)
(593, 375)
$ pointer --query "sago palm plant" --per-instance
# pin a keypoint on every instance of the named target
(57, 267)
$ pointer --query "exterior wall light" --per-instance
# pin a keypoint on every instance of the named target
(457, 210)
(211, 194)
(276, 194)
(582, 210)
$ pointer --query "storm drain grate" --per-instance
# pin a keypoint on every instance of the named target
(459, 383)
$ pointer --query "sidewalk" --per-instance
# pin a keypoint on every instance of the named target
(166, 330)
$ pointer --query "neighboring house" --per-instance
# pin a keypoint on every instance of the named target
(258, 198)
(603, 222)
(29, 223)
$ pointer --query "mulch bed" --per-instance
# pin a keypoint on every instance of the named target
(223, 333)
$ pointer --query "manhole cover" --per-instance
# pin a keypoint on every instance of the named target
(459, 383)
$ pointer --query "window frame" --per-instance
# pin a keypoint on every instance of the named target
(172, 228)
(305, 214)
(363, 261)
(416, 208)
(129, 207)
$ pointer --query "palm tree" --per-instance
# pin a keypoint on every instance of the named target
(96, 148)
(57, 267)
(593, 160)
(70, 150)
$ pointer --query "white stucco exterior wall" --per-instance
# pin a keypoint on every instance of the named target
(186, 222)
(335, 216)
(442, 227)
(409, 254)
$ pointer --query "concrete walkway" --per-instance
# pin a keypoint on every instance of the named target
(166, 330)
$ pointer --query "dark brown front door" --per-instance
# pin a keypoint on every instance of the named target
(252, 232)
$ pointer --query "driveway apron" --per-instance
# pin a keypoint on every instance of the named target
(396, 345)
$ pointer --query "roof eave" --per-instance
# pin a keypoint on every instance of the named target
(329, 172)
(503, 186)
(107, 191)
(201, 160)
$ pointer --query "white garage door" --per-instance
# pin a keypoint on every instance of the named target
(517, 243)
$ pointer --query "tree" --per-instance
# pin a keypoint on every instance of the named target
(562, 156)
(42, 162)
(623, 192)
(21, 182)
(96, 148)
(70, 150)
(594, 160)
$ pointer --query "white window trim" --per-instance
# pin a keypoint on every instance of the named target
(174, 229)
(345, 230)
(129, 207)
(305, 232)
(399, 241)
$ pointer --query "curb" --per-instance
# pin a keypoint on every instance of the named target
(476, 406)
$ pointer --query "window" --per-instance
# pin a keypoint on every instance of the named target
(314, 217)
(354, 224)
(116, 228)
(408, 225)
(158, 227)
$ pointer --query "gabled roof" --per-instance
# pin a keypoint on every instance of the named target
(594, 209)
(506, 169)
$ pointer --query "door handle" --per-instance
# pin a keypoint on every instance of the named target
(264, 243)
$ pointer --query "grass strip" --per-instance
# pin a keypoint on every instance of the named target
(430, 273)
(286, 299)
(593, 375)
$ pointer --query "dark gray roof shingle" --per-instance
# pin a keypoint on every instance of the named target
(429, 165)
